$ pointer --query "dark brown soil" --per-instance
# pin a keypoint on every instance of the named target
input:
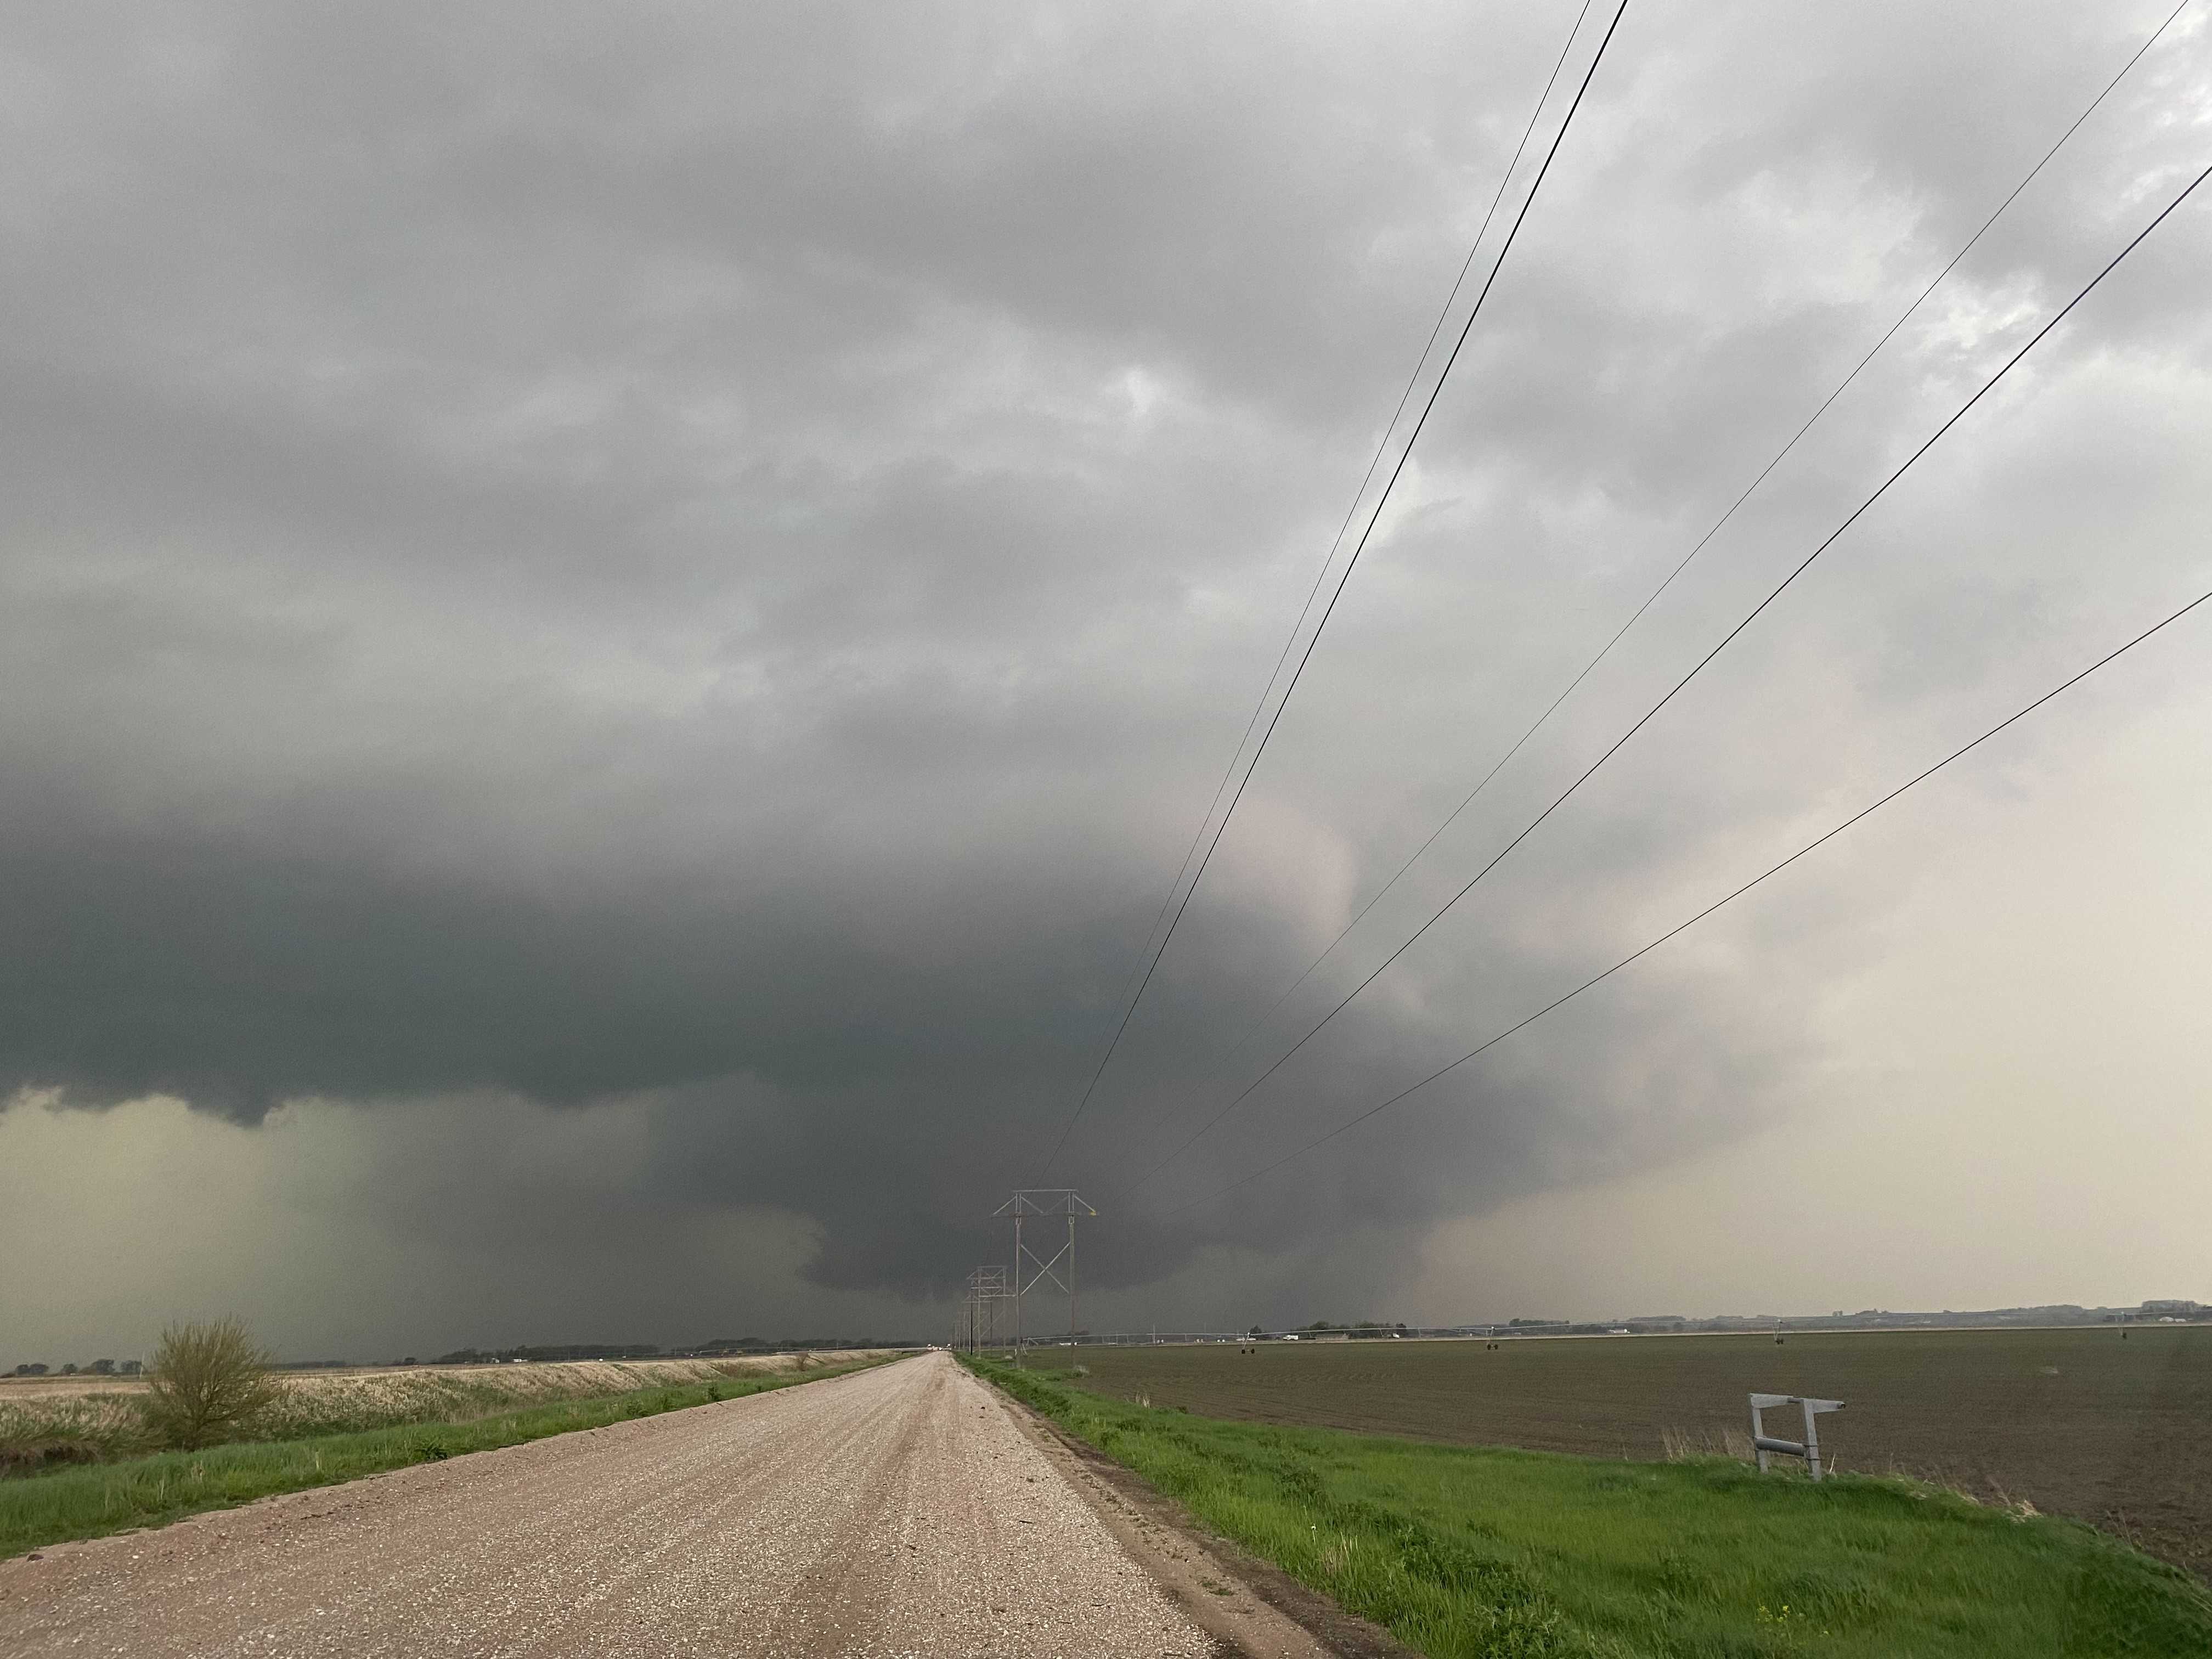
(2076, 1422)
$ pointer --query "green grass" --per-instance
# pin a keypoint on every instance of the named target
(90, 1502)
(1479, 1551)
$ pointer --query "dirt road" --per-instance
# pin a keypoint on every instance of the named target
(897, 1512)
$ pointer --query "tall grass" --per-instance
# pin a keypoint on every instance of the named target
(84, 1428)
(68, 1503)
(1488, 1554)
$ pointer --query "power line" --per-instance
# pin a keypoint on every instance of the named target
(1719, 524)
(1382, 448)
(1649, 714)
(1864, 812)
(1381, 500)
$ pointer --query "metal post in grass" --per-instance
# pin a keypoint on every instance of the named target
(1763, 1443)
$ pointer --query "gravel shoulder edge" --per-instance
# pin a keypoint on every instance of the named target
(1250, 1606)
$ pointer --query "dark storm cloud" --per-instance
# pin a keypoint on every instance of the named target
(709, 563)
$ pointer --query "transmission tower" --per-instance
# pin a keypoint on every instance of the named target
(983, 1316)
(1032, 1268)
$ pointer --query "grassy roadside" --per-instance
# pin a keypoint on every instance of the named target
(91, 1501)
(1502, 1554)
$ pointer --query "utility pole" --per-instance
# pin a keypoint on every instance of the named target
(1032, 1268)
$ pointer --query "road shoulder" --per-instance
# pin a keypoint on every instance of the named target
(1250, 1606)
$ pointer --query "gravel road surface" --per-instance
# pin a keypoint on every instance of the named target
(895, 1511)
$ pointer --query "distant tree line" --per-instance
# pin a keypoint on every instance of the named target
(98, 1368)
(548, 1353)
(721, 1347)
(544, 1354)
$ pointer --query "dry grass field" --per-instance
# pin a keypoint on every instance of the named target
(531, 1381)
(74, 1419)
(2074, 1422)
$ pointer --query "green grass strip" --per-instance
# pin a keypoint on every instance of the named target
(93, 1500)
(1493, 1554)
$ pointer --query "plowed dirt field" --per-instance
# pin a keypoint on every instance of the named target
(2074, 1421)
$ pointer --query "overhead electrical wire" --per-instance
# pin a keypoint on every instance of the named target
(1649, 714)
(1374, 517)
(1719, 524)
(1336, 543)
(1863, 813)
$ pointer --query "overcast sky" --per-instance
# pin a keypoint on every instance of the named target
(613, 624)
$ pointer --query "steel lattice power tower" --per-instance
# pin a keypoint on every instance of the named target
(1032, 1269)
(983, 1316)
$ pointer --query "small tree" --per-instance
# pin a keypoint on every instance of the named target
(207, 1384)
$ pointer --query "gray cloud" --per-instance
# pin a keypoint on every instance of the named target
(695, 575)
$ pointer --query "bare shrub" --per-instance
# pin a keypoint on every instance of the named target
(207, 1384)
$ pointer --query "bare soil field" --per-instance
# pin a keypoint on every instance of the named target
(2075, 1422)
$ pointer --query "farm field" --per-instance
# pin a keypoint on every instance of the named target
(2075, 1422)
(89, 1418)
(562, 1378)
(1481, 1553)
